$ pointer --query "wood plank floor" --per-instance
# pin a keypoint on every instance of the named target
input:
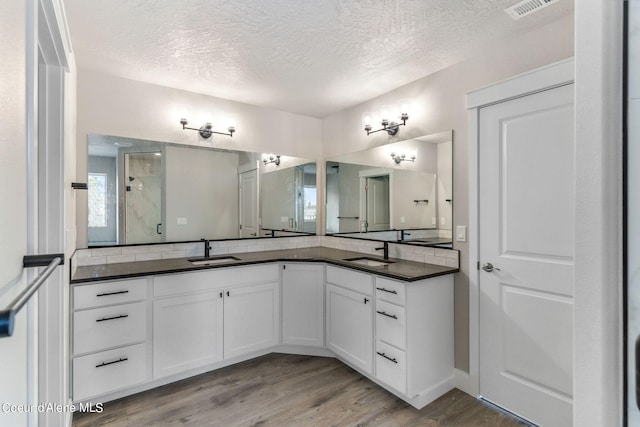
(287, 390)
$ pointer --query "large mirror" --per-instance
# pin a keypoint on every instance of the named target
(395, 192)
(144, 192)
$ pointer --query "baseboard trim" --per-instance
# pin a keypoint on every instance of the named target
(303, 350)
(468, 383)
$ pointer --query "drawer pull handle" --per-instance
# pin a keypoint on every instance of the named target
(106, 294)
(391, 291)
(104, 319)
(393, 316)
(122, 359)
(393, 359)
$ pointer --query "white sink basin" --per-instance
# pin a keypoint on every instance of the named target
(210, 261)
(369, 262)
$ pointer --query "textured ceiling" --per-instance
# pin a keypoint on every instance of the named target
(311, 57)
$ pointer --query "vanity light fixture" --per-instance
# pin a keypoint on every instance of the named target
(272, 159)
(402, 158)
(206, 129)
(390, 127)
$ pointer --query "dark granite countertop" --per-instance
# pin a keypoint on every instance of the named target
(409, 271)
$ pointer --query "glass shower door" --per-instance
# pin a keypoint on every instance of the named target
(143, 197)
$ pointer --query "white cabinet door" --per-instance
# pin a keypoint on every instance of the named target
(251, 318)
(350, 326)
(187, 332)
(303, 304)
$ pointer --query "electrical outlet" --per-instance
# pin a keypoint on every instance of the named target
(433, 220)
(402, 220)
(443, 221)
(181, 221)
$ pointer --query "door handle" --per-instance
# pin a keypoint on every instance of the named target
(488, 267)
(158, 229)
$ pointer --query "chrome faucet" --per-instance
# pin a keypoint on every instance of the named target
(402, 234)
(207, 247)
(385, 249)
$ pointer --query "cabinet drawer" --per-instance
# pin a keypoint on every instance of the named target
(390, 290)
(391, 366)
(357, 282)
(203, 281)
(107, 327)
(391, 324)
(108, 371)
(108, 293)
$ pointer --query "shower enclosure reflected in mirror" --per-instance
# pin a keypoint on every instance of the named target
(147, 192)
(378, 194)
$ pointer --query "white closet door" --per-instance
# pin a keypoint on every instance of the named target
(527, 232)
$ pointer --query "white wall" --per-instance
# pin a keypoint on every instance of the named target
(114, 106)
(405, 187)
(439, 104)
(201, 190)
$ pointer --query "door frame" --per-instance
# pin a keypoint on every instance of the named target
(47, 313)
(249, 166)
(545, 78)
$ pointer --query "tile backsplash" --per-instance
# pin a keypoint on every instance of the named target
(117, 254)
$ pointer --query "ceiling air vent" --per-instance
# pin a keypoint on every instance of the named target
(527, 7)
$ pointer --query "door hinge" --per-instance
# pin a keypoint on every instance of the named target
(284, 267)
(478, 265)
(240, 226)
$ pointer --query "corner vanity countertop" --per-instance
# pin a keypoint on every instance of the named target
(408, 271)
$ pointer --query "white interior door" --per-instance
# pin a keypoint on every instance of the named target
(249, 223)
(377, 194)
(526, 199)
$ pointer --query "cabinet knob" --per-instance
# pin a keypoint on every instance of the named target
(220, 294)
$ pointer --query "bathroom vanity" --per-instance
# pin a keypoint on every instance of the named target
(138, 325)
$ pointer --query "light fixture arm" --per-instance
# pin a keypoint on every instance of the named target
(390, 127)
(206, 129)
